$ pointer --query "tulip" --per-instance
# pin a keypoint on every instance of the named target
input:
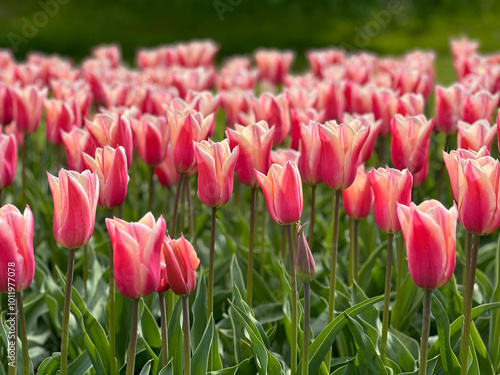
(6, 105)
(365, 121)
(28, 105)
(449, 102)
(385, 105)
(410, 142)
(429, 230)
(17, 266)
(255, 142)
(77, 142)
(165, 172)
(331, 99)
(282, 155)
(197, 53)
(309, 162)
(111, 167)
(162, 287)
(476, 135)
(479, 106)
(273, 65)
(8, 160)
(152, 137)
(59, 117)
(341, 147)
(358, 198)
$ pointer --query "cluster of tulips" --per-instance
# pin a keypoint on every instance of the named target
(323, 126)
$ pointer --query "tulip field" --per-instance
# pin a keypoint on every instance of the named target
(184, 216)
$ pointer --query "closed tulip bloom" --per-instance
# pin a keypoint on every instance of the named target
(216, 163)
(60, 116)
(449, 102)
(479, 105)
(75, 198)
(28, 105)
(181, 261)
(111, 167)
(166, 173)
(16, 249)
(411, 104)
(420, 177)
(282, 155)
(8, 160)
(255, 142)
(385, 106)
(304, 261)
(358, 198)
(410, 142)
(137, 250)
(6, 105)
(331, 99)
(341, 146)
(366, 121)
(451, 161)
(390, 186)
(152, 138)
(77, 142)
(282, 189)
(163, 284)
(273, 65)
(429, 230)
(476, 135)
(478, 198)
(309, 162)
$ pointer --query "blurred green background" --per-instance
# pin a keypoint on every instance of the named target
(72, 27)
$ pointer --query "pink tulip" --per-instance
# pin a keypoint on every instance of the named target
(216, 163)
(299, 117)
(6, 104)
(463, 47)
(8, 160)
(152, 138)
(309, 162)
(137, 250)
(476, 135)
(181, 262)
(60, 116)
(255, 142)
(273, 65)
(361, 99)
(420, 176)
(451, 161)
(390, 186)
(365, 121)
(197, 53)
(166, 173)
(479, 106)
(77, 142)
(282, 155)
(478, 198)
(340, 149)
(109, 52)
(75, 199)
(111, 167)
(282, 188)
(320, 59)
(163, 284)
(17, 264)
(331, 99)
(411, 104)
(429, 230)
(410, 142)
(385, 106)
(449, 103)
(358, 198)
(28, 105)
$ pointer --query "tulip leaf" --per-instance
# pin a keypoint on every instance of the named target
(146, 368)
(150, 330)
(50, 366)
(431, 366)
(406, 303)
(167, 370)
(237, 277)
(448, 359)
(199, 312)
(123, 315)
(176, 338)
(80, 365)
(245, 367)
(482, 355)
(202, 352)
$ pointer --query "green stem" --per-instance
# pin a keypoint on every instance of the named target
(387, 297)
(494, 342)
(170, 304)
(400, 265)
(307, 317)
(468, 251)
(210, 308)
(333, 268)
(313, 214)
(22, 333)
(85, 269)
(283, 243)
(185, 328)
(293, 286)
(467, 308)
(133, 337)
(164, 332)
(353, 253)
(66, 308)
(151, 188)
(187, 184)
(176, 205)
(263, 238)
(425, 331)
(253, 207)
(112, 335)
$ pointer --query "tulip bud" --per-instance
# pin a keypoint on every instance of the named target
(75, 198)
(309, 162)
(8, 160)
(137, 254)
(273, 65)
(59, 117)
(448, 104)
(304, 263)
(17, 264)
(181, 261)
(429, 230)
(6, 105)
(476, 135)
(166, 173)
(28, 105)
(282, 155)
(282, 189)
(358, 198)
(479, 105)
(77, 142)
(152, 138)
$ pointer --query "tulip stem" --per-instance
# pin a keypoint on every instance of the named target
(22, 333)
(185, 328)
(112, 338)
(210, 307)
(23, 187)
(176, 204)
(467, 307)
(333, 268)
(283, 243)
(468, 251)
(133, 337)
(164, 330)
(353, 254)
(293, 286)
(170, 304)
(253, 207)
(66, 308)
(263, 238)
(13, 341)
(387, 297)
(307, 317)
(400, 264)
(187, 185)
(151, 188)
(425, 331)
(85, 269)
(311, 219)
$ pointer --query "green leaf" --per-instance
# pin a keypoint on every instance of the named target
(167, 370)
(80, 365)
(50, 365)
(237, 276)
(202, 352)
(150, 330)
(199, 313)
(406, 304)
(147, 368)
(448, 358)
(176, 338)
(482, 355)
